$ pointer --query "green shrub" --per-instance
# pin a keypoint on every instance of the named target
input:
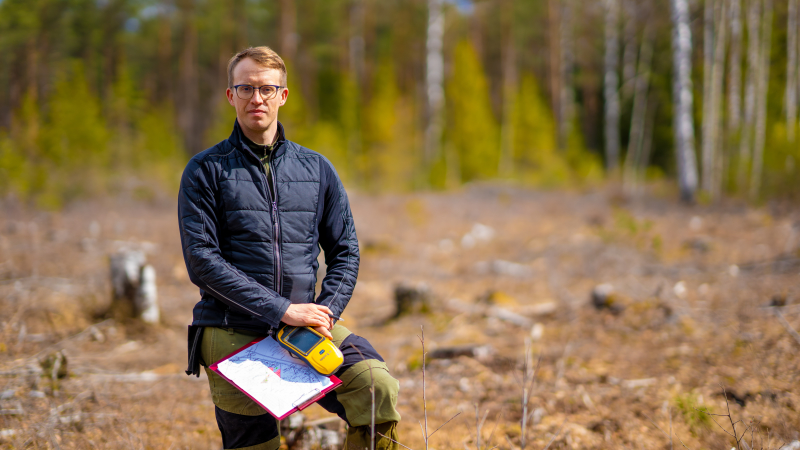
(691, 408)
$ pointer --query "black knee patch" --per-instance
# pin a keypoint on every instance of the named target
(351, 346)
(244, 431)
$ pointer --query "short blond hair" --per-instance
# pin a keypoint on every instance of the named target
(263, 56)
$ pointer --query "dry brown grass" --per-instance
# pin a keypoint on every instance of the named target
(605, 381)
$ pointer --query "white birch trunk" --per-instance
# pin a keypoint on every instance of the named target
(633, 159)
(611, 85)
(630, 49)
(554, 56)
(711, 152)
(356, 42)
(647, 142)
(734, 88)
(434, 80)
(566, 95)
(506, 165)
(189, 84)
(355, 63)
(708, 58)
(763, 85)
(753, 14)
(289, 37)
(791, 70)
(683, 99)
(717, 94)
(735, 67)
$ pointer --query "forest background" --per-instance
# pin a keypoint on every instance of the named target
(102, 97)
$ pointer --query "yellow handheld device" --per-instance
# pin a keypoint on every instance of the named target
(312, 347)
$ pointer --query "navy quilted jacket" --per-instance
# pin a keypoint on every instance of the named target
(252, 251)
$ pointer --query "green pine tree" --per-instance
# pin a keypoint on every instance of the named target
(74, 142)
(294, 114)
(537, 159)
(472, 130)
(381, 163)
(159, 155)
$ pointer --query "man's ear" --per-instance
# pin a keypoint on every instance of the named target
(229, 94)
(284, 96)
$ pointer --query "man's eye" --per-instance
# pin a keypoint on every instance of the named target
(246, 89)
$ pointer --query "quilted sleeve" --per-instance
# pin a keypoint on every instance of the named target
(337, 238)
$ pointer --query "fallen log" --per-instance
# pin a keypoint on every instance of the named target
(490, 311)
(787, 325)
(479, 352)
(539, 309)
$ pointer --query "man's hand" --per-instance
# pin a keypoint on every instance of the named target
(309, 315)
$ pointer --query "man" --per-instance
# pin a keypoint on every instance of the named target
(254, 211)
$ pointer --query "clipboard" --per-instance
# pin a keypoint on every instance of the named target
(294, 386)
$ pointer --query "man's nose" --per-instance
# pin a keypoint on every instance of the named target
(260, 99)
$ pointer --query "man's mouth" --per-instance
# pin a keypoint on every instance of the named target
(256, 111)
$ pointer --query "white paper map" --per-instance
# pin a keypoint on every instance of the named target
(270, 375)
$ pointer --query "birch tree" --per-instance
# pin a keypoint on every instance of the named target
(791, 70)
(352, 84)
(566, 99)
(611, 85)
(554, 28)
(762, 86)
(735, 68)
(288, 30)
(717, 71)
(712, 106)
(683, 99)
(630, 49)
(509, 56)
(189, 75)
(708, 57)
(434, 80)
(753, 14)
(635, 162)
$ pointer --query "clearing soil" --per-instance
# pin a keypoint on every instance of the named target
(693, 310)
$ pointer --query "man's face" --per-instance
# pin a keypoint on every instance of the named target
(256, 115)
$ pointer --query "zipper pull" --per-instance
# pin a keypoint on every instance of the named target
(274, 210)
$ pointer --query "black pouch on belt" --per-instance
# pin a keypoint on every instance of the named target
(195, 358)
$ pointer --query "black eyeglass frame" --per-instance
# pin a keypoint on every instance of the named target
(259, 89)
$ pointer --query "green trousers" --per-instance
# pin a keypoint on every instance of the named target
(246, 425)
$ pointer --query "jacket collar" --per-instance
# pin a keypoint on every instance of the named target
(236, 139)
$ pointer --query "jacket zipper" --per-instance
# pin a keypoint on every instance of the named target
(272, 198)
(276, 246)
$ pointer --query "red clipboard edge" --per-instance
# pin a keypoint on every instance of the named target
(336, 382)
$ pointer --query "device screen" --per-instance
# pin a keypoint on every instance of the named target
(303, 339)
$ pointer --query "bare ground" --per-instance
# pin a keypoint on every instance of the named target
(692, 313)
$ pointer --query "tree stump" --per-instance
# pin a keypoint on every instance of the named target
(604, 297)
(134, 287)
(322, 434)
(411, 299)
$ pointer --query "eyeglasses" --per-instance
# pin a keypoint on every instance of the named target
(267, 91)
